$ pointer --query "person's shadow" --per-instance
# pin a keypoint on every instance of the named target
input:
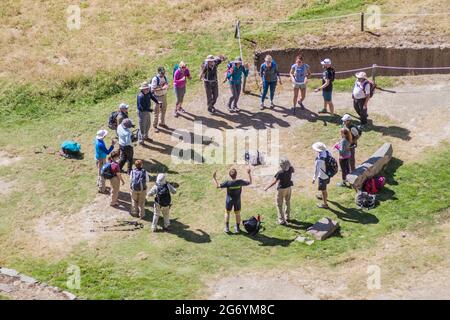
(298, 225)
(392, 131)
(352, 214)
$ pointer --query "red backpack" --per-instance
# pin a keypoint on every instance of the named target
(374, 185)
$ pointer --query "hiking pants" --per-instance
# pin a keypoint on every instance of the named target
(345, 167)
(115, 188)
(144, 125)
(212, 92)
(138, 203)
(358, 105)
(160, 110)
(235, 93)
(157, 212)
(266, 86)
(352, 160)
(126, 156)
(283, 195)
(101, 184)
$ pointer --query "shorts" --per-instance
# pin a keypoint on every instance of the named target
(179, 93)
(327, 95)
(299, 85)
(233, 204)
(323, 184)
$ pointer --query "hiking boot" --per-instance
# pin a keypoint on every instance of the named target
(293, 110)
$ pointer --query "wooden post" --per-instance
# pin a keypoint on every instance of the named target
(362, 21)
(374, 68)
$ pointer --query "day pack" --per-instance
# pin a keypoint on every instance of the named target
(163, 197)
(71, 147)
(374, 185)
(138, 180)
(372, 86)
(332, 74)
(252, 225)
(365, 200)
(358, 128)
(106, 171)
(175, 68)
(112, 121)
(331, 166)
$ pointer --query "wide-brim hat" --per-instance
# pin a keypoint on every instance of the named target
(124, 106)
(325, 61)
(144, 85)
(101, 134)
(210, 58)
(319, 146)
(346, 117)
(361, 75)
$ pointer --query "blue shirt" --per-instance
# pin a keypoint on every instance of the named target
(124, 135)
(269, 74)
(101, 152)
(300, 72)
(144, 103)
(234, 74)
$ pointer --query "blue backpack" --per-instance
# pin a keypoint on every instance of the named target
(138, 180)
(106, 171)
(71, 147)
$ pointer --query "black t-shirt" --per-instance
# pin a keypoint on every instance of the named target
(328, 74)
(234, 188)
(285, 178)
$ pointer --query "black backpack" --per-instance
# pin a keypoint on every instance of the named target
(332, 74)
(331, 166)
(358, 128)
(138, 180)
(163, 197)
(365, 200)
(112, 122)
(372, 86)
(252, 225)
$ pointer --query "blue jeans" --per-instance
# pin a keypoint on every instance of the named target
(266, 85)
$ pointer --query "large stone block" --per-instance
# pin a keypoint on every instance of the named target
(323, 229)
(371, 167)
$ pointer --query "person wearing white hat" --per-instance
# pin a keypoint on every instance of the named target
(299, 76)
(320, 172)
(356, 133)
(143, 110)
(328, 76)
(234, 76)
(101, 152)
(208, 74)
(361, 96)
(163, 201)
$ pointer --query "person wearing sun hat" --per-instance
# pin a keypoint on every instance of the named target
(356, 133)
(361, 96)
(234, 76)
(101, 152)
(327, 85)
(208, 74)
(320, 172)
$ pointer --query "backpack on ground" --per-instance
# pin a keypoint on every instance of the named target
(106, 171)
(112, 121)
(163, 197)
(70, 149)
(331, 166)
(254, 157)
(252, 225)
(372, 86)
(365, 200)
(374, 185)
(138, 180)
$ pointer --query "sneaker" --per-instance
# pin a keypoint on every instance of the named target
(236, 109)
(341, 184)
(226, 229)
(230, 109)
(293, 110)
(271, 105)
(282, 223)
(182, 110)
(237, 229)
(154, 229)
(322, 206)
(261, 106)
(156, 130)
(323, 111)
(213, 110)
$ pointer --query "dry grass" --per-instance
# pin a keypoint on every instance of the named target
(35, 43)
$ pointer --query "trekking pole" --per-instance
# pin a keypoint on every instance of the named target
(237, 35)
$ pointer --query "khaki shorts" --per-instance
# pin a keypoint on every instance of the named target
(299, 86)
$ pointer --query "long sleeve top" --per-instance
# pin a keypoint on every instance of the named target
(320, 168)
(144, 103)
(234, 74)
(179, 78)
(101, 152)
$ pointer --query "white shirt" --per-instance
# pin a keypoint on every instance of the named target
(157, 90)
(359, 92)
(320, 168)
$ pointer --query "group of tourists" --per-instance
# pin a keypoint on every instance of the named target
(111, 161)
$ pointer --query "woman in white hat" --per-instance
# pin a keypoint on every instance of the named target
(361, 96)
(101, 152)
(320, 172)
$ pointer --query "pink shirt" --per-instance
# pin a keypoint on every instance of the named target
(179, 79)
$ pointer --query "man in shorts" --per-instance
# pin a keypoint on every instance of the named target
(233, 199)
